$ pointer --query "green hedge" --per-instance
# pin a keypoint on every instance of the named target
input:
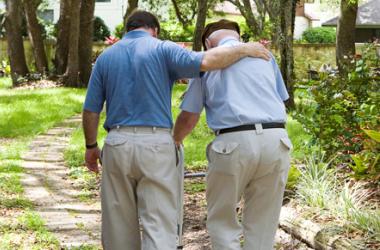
(101, 30)
(319, 35)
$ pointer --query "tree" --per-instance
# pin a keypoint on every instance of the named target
(63, 35)
(185, 11)
(16, 52)
(132, 5)
(345, 42)
(71, 76)
(86, 40)
(254, 19)
(35, 35)
(200, 24)
(287, 19)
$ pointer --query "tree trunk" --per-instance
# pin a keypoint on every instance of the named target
(71, 78)
(14, 38)
(287, 17)
(246, 11)
(182, 19)
(86, 40)
(132, 5)
(345, 41)
(311, 233)
(200, 25)
(63, 35)
(35, 35)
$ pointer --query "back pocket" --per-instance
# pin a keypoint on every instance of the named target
(224, 157)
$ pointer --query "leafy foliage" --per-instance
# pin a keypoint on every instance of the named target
(319, 35)
(119, 31)
(101, 30)
(174, 31)
(367, 162)
(340, 107)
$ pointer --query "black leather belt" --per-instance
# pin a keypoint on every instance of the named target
(250, 127)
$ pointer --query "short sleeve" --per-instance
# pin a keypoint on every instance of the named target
(95, 96)
(182, 63)
(280, 85)
(194, 97)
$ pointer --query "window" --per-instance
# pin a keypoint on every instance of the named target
(47, 15)
(377, 33)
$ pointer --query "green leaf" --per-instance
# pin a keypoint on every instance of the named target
(359, 168)
(373, 134)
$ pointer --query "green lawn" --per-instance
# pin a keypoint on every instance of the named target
(25, 114)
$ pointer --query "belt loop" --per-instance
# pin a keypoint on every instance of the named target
(259, 128)
(135, 130)
(154, 129)
(118, 127)
(217, 132)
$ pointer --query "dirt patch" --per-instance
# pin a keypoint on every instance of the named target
(41, 84)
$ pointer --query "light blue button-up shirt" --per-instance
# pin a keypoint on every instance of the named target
(135, 78)
(250, 91)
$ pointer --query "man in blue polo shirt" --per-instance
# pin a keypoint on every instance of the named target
(250, 154)
(140, 178)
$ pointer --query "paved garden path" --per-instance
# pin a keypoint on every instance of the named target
(47, 185)
(77, 223)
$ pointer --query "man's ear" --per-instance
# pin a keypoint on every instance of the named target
(208, 43)
(155, 32)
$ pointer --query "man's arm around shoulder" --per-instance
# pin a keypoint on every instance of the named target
(222, 57)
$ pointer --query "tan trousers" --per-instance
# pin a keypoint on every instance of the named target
(139, 180)
(253, 165)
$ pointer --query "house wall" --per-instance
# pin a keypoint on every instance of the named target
(366, 35)
(301, 24)
(111, 12)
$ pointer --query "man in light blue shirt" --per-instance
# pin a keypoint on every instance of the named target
(140, 178)
(250, 154)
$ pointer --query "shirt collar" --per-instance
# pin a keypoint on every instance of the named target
(228, 40)
(136, 34)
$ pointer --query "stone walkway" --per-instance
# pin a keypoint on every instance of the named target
(46, 184)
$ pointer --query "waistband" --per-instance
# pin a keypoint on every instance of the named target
(142, 129)
(258, 127)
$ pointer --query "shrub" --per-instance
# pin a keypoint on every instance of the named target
(319, 35)
(174, 31)
(341, 106)
(119, 31)
(101, 30)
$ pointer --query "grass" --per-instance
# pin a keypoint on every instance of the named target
(27, 232)
(25, 114)
(195, 186)
(318, 188)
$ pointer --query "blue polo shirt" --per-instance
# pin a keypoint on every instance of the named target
(135, 78)
(250, 91)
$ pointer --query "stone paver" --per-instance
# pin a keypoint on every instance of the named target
(46, 184)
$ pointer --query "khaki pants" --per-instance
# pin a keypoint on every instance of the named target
(253, 165)
(139, 180)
